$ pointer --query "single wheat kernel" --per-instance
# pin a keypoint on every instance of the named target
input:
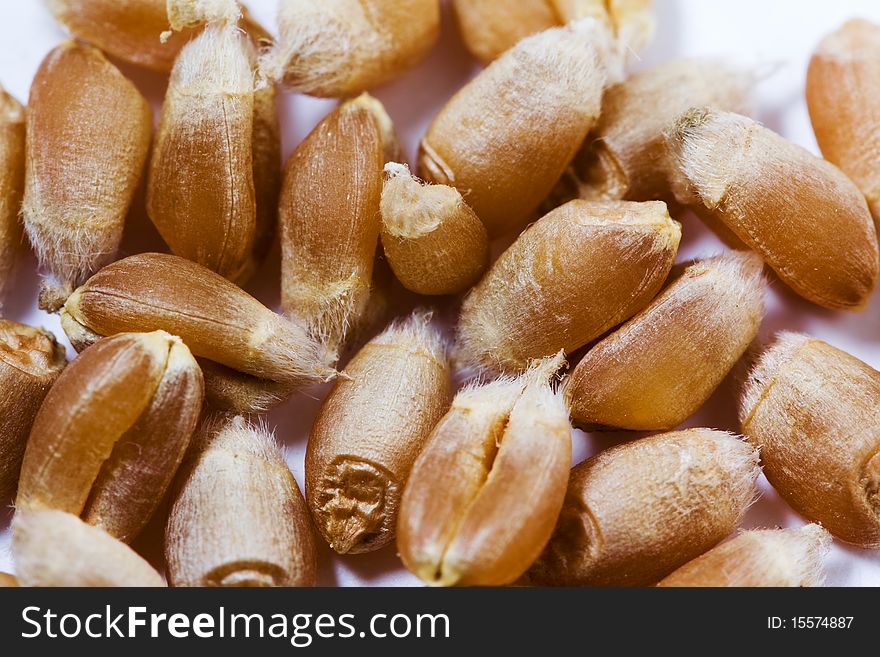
(484, 494)
(433, 241)
(636, 512)
(200, 191)
(112, 432)
(800, 213)
(329, 218)
(258, 533)
(508, 135)
(812, 410)
(656, 370)
(88, 133)
(369, 431)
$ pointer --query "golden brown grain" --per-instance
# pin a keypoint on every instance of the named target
(800, 213)
(843, 82)
(207, 201)
(128, 29)
(329, 217)
(507, 136)
(339, 48)
(369, 431)
(812, 410)
(490, 27)
(87, 124)
(216, 319)
(763, 557)
(484, 494)
(545, 294)
(135, 31)
(200, 193)
(12, 155)
(30, 361)
(657, 369)
(433, 241)
(7, 581)
(112, 431)
(258, 533)
(636, 512)
(54, 548)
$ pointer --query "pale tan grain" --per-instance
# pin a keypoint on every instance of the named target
(258, 532)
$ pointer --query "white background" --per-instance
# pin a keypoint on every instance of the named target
(775, 36)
